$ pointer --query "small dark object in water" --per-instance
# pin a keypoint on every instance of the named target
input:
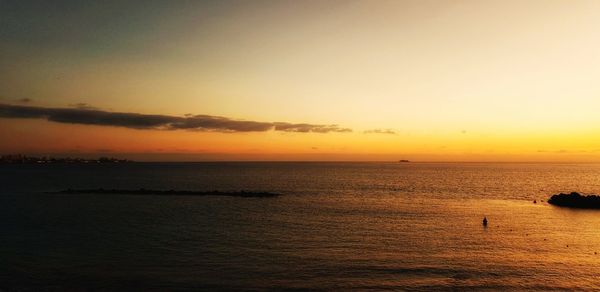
(142, 191)
(575, 200)
(485, 221)
(535, 201)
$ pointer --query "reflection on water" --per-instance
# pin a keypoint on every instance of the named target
(339, 226)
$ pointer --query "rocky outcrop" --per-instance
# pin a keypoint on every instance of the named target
(575, 200)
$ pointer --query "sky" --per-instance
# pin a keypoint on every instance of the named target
(302, 80)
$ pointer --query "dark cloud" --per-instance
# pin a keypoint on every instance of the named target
(213, 123)
(380, 131)
(24, 100)
(305, 128)
(87, 115)
(82, 105)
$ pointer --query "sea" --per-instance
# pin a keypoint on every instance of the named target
(337, 226)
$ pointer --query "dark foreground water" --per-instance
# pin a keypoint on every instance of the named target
(338, 226)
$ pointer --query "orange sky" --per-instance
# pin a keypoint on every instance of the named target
(453, 80)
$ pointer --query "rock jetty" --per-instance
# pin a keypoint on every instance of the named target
(244, 194)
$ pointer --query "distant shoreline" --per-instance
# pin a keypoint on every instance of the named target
(60, 159)
(23, 159)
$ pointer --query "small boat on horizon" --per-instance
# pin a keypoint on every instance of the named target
(403, 161)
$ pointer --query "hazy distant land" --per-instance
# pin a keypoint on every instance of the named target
(23, 159)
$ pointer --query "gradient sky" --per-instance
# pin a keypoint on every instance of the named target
(419, 80)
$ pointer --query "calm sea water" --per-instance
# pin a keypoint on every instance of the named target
(338, 226)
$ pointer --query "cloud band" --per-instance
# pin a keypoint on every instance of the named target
(92, 116)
